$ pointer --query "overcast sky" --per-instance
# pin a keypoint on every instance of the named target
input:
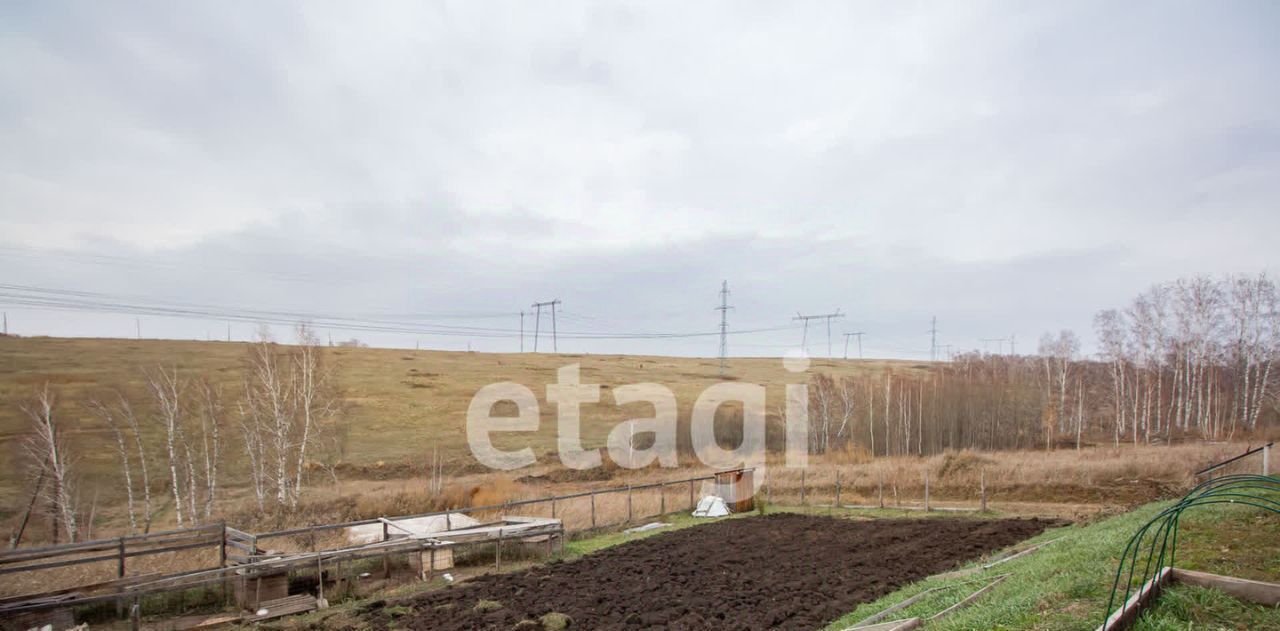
(1010, 167)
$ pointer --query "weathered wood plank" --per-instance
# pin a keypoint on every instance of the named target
(969, 600)
(1133, 607)
(1259, 592)
(896, 625)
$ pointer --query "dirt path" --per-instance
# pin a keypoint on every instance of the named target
(781, 571)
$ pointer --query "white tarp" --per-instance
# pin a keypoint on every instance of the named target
(711, 506)
(647, 527)
(369, 533)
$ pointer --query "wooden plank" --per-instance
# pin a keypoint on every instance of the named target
(238, 533)
(1259, 592)
(897, 625)
(912, 600)
(55, 564)
(876, 618)
(242, 546)
(1133, 607)
(286, 606)
(968, 600)
(96, 544)
(1023, 553)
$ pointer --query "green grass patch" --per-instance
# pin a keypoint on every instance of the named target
(1184, 607)
(1066, 584)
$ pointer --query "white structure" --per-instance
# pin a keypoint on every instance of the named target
(417, 527)
(711, 506)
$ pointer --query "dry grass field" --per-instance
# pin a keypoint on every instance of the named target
(398, 404)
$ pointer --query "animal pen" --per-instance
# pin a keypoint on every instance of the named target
(253, 569)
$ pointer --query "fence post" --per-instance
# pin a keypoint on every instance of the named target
(926, 490)
(222, 552)
(120, 574)
(983, 501)
(497, 558)
(593, 509)
(1266, 459)
(628, 503)
(880, 476)
(553, 507)
(768, 489)
(691, 504)
(386, 558)
(837, 487)
(135, 614)
(802, 485)
(662, 499)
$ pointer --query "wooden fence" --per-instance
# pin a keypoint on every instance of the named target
(240, 552)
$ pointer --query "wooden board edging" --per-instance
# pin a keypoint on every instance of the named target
(1260, 592)
(1127, 614)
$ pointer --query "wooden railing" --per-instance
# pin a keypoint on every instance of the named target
(119, 549)
(239, 551)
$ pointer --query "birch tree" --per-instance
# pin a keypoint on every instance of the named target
(288, 392)
(51, 461)
(123, 451)
(167, 392)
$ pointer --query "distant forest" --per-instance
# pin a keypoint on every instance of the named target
(1190, 358)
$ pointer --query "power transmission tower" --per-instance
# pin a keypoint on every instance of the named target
(857, 334)
(724, 323)
(933, 339)
(537, 321)
(821, 316)
(1013, 337)
(999, 344)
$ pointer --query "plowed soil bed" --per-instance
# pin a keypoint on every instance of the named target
(781, 571)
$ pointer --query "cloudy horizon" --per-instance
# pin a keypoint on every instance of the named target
(1010, 168)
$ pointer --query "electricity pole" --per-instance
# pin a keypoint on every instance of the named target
(933, 340)
(724, 322)
(846, 344)
(823, 316)
(1013, 337)
(521, 331)
(537, 321)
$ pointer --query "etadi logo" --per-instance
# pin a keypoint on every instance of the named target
(569, 394)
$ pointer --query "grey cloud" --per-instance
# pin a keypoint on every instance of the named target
(1004, 166)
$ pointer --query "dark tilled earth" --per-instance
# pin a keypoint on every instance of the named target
(781, 571)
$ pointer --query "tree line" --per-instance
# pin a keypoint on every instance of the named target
(1190, 358)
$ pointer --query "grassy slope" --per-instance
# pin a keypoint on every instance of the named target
(399, 402)
(1066, 585)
